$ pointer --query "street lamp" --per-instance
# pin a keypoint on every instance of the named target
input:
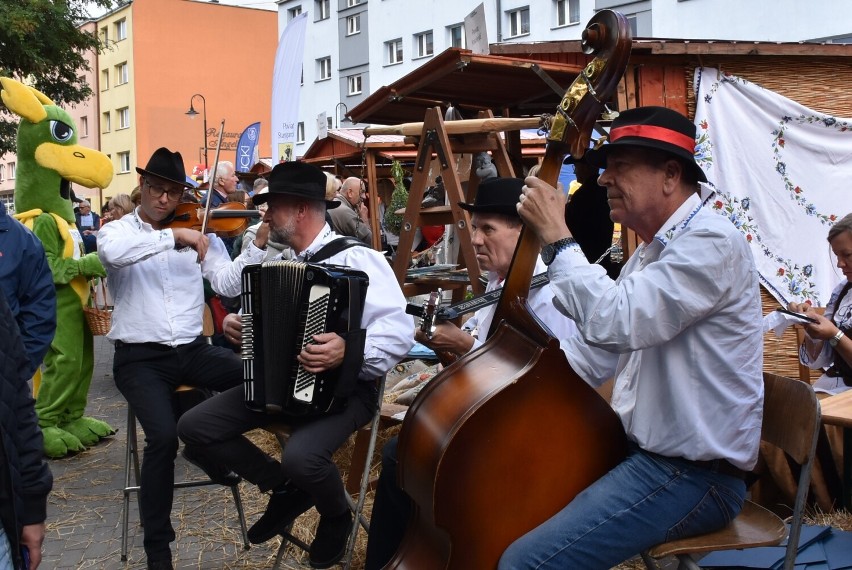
(192, 112)
(336, 110)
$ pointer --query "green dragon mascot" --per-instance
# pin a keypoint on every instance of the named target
(49, 160)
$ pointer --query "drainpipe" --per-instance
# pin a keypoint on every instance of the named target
(499, 22)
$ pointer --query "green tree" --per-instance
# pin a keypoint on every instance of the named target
(40, 42)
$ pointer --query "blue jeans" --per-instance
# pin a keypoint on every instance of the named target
(6, 559)
(644, 501)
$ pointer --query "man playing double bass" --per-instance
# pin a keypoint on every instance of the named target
(496, 228)
(683, 326)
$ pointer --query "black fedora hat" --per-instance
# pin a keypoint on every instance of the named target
(496, 196)
(655, 128)
(167, 165)
(298, 179)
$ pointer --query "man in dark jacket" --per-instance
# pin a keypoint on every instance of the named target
(88, 223)
(27, 284)
(25, 478)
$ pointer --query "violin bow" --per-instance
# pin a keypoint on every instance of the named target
(212, 186)
(608, 37)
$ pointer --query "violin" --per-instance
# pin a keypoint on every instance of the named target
(228, 220)
(509, 434)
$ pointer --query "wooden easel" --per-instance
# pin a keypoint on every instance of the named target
(443, 140)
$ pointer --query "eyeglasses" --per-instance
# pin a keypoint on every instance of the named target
(157, 190)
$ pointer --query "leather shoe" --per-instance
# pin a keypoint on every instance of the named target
(285, 505)
(165, 564)
(329, 545)
(218, 473)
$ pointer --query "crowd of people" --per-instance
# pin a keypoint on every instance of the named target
(678, 331)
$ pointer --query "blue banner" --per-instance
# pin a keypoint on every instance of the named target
(247, 148)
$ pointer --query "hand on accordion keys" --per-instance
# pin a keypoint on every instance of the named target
(325, 353)
(232, 328)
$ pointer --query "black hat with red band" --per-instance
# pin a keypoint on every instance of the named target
(656, 128)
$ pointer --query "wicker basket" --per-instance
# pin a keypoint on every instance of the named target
(99, 319)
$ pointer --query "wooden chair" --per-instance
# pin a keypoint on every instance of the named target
(360, 461)
(791, 420)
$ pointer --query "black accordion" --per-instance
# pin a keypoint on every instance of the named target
(284, 303)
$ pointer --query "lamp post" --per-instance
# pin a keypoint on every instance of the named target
(192, 112)
(336, 109)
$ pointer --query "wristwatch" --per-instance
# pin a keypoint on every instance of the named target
(836, 338)
(548, 252)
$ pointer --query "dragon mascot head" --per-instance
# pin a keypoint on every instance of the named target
(49, 160)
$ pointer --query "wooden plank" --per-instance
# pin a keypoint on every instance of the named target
(674, 88)
(651, 85)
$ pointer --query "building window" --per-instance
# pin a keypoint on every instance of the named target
(322, 9)
(104, 79)
(123, 118)
(423, 43)
(353, 24)
(11, 171)
(121, 74)
(84, 127)
(457, 36)
(2, 172)
(293, 12)
(328, 121)
(354, 84)
(351, 3)
(519, 22)
(324, 66)
(123, 162)
(567, 12)
(121, 30)
(300, 133)
(104, 35)
(105, 122)
(393, 51)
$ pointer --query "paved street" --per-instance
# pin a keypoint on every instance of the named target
(84, 510)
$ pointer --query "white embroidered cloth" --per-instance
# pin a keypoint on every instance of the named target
(782, 173)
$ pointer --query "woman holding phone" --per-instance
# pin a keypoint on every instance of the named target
(827, 342)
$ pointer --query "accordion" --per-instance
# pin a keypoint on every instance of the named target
(284, 303)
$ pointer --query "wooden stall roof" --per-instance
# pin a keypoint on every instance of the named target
(470, 82)
(345, 146)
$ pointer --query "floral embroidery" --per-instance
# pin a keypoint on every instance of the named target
(779, 143)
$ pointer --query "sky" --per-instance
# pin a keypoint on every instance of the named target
(95, 11)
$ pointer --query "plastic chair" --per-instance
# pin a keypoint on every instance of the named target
(791, 420)
(282, 431)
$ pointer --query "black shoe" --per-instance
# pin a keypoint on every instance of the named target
(283, 508)
(160, 564)
(218, 473)
(329, 545)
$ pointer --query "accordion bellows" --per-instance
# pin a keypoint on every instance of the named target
(284, 304)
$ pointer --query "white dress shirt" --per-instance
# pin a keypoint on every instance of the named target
(540, 301)
(390, 331)
(158, 290)
(685, 318)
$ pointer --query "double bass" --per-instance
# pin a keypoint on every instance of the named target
(509, 434)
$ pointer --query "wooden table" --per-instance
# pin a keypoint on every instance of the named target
(837, 411)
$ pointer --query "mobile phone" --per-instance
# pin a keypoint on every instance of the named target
(800, 316)
(25, 558)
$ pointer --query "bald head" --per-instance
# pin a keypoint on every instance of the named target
(352, 190)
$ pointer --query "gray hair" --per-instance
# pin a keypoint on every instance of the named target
(260, 184)
(839, 227)
(222, 168)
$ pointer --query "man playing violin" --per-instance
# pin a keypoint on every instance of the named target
(155, 275)
(682, 325)
(496, 229)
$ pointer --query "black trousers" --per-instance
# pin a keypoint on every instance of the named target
(391, 511)
(215, 430)
(147, 375)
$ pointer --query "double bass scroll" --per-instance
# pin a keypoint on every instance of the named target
(506, 436)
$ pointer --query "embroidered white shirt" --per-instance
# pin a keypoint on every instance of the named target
(684, 318)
